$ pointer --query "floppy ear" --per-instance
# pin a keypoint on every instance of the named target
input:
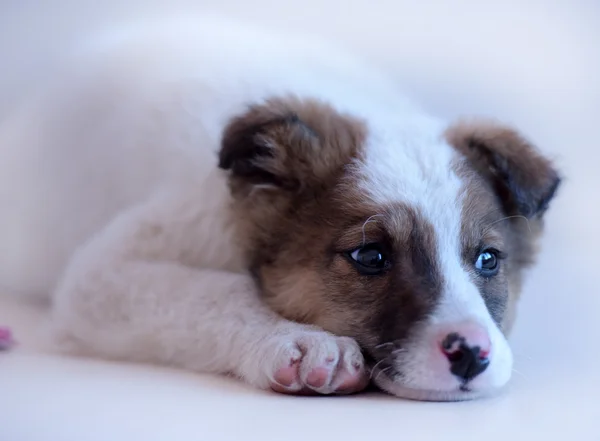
(288, 144)
(524, 180)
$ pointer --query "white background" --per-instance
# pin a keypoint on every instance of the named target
(534, 64)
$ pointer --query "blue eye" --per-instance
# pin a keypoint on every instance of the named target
(487, 263)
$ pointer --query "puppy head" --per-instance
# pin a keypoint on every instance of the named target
(409, 239)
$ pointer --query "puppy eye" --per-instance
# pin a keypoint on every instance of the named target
(487, 263)
(369, 260)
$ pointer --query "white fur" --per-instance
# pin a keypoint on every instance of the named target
(146, 105)
(414, 164)
(114, 203)
(112, 199)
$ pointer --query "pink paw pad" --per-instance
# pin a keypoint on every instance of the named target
(318, 377)
(286, 377)
(6, 339)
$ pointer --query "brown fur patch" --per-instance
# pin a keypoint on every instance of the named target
(313, 279)
(296, 145)
(300, 229)
(509, 185)
(301, 214)
(524, 180)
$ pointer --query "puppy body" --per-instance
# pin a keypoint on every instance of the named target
(136, 111)
(115, 203)
(117, 207)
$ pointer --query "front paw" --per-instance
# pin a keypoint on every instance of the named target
(306, 361)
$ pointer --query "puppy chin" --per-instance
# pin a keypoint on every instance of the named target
(397, 389)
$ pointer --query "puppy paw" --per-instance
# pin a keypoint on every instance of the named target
(6, 338)
(314, 362)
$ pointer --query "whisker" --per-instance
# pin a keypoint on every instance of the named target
(364, 235)
(516, 216)
(375, 367)
(382, 371)
(519, 356)
(382, 345)
(520, 373)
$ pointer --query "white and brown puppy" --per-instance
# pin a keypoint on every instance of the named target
(204, 195)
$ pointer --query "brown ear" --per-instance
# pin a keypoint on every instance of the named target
(524, 180)
(288, 143)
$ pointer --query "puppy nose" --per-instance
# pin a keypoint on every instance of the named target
(467, 348)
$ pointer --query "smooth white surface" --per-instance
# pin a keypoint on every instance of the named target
(536, 65)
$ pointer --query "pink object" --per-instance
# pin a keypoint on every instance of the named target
(6, 338)
(467, 333)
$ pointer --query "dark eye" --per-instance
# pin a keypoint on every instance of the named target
(369, 260)
(487, 263)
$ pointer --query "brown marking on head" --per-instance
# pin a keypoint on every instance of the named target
(524, 180)
(292, 144)
(294, 168)
(302, 214)
(508, 187)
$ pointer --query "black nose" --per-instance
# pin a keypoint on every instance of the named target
(466, 362)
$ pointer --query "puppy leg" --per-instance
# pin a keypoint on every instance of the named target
(114, 304)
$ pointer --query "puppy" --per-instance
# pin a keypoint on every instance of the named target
(205, 195)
